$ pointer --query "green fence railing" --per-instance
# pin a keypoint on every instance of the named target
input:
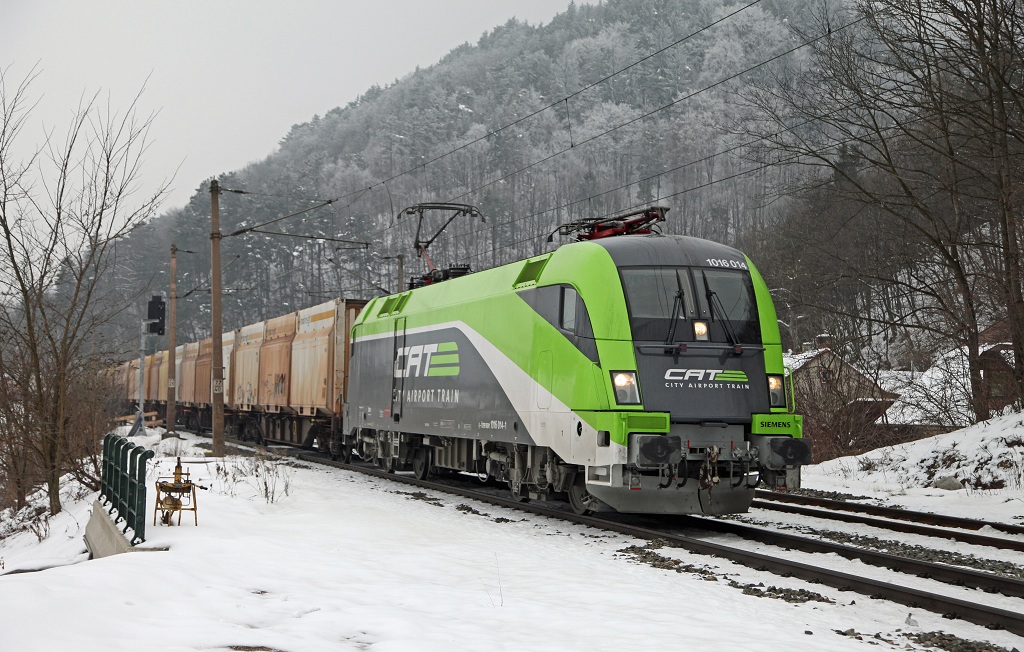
(124, 481)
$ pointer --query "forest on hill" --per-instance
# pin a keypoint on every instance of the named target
(532, 125)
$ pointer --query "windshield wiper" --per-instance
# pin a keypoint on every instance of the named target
(713, 303)
(677, 307)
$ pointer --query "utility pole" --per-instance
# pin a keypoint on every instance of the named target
(401, 273)
(172, 372)
(217, 364)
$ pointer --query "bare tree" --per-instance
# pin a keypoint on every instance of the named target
(909, 119)
(62, 210)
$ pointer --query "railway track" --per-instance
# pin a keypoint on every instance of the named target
(641, 527)
(890, 518)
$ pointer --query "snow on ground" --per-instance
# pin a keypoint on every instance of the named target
(342, 561)
(987, 458)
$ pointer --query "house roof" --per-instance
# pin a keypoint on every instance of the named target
(797, 360)
(940, 395)
(997, 333)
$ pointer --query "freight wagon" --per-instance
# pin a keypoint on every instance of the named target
(284, 378)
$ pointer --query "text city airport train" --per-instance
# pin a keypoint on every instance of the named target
(638, 373)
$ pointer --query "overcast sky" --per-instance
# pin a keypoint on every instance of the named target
(227, 79)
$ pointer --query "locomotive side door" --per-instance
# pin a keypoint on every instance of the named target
(397, 380)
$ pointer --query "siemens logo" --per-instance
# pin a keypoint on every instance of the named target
(427, 360)
(775, 424)
(719, 375)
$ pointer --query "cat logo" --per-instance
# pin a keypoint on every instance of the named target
(719, 375)
(433, 360)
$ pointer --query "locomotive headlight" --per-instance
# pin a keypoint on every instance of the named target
(700, 331)
(627, 391)
(776, 391)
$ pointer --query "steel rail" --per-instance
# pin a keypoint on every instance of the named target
(957, 575)
(888, 512)
(948, 607)
(897, 525)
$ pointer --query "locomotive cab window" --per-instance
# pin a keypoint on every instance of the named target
(683, 304)
(564, 308)
(726, 297)
(567, 319)
(657, 297)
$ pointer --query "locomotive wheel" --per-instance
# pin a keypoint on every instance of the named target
(421, 463)
(579, 498)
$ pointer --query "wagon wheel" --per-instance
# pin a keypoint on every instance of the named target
(581, 501)
(252, 432)
(192, 422)
(421, 460)
(346, 452)
(321, 439)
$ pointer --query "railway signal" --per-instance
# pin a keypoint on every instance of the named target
(156, 315)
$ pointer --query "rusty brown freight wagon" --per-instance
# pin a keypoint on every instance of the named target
(277, 423)
(204, 373)
(227, 347)
(153, 365)
(344, 320)
(245, 378)
(276, 363)
(187, 379)
(312, 354)
(156, 380)
(285, 379)
(164, 361)
(179, 357)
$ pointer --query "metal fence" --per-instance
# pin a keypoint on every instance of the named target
(124, 481)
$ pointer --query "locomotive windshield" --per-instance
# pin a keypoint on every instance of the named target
(665, 301)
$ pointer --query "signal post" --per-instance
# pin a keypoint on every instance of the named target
(153, 324)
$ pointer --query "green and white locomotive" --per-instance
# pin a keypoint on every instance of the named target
(637, 373)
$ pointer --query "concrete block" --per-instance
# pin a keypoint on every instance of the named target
(103, 538)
